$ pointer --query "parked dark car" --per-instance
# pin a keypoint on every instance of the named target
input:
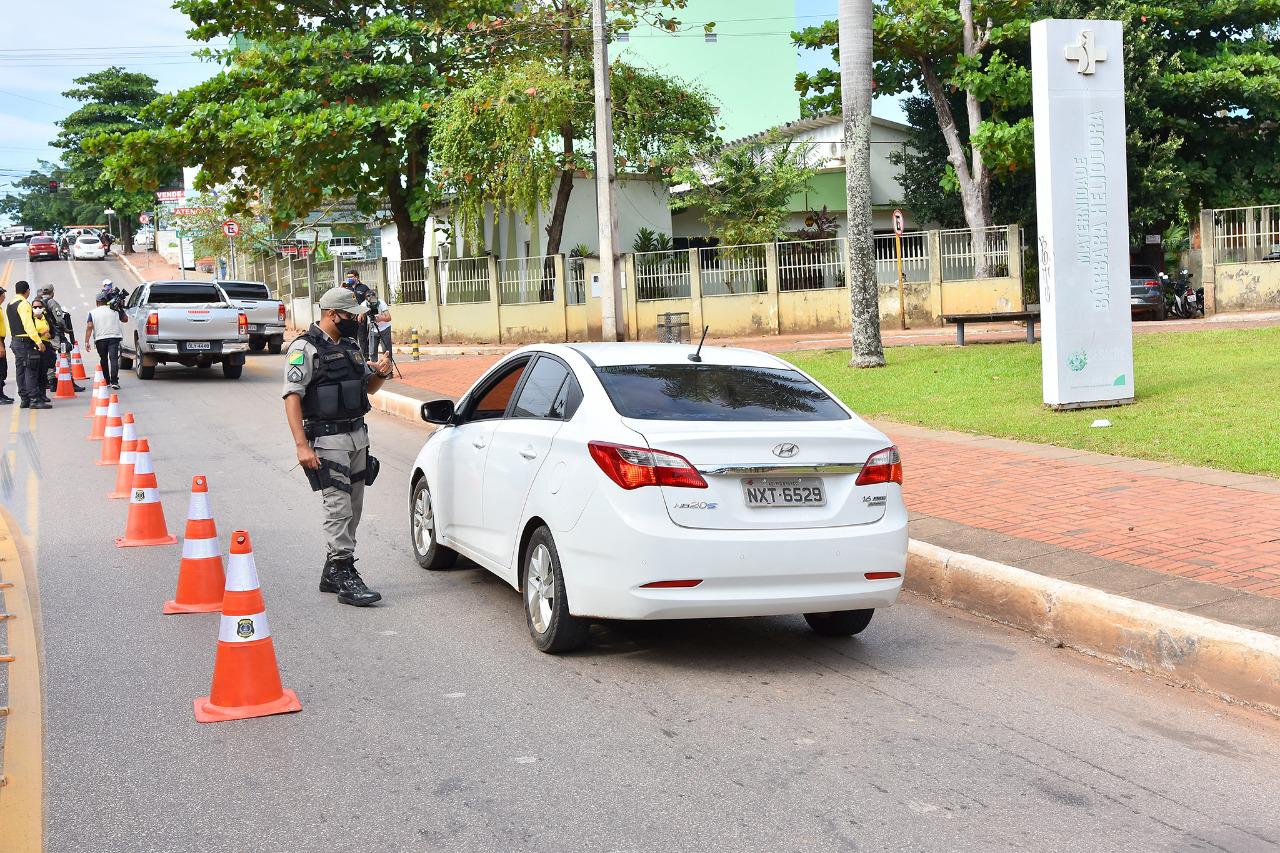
(1146, 293)
(41, 248)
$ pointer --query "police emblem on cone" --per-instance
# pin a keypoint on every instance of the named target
(124, 469)
(200, 578)
(77, 365)
(146, 515)
(113, 435)
(246, 678)
(93, 395)
(102, 400)
(66, 390)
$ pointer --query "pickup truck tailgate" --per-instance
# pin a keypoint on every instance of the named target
(198, 324)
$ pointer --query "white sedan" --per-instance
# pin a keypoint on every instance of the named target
(645, 481)
(87, 247)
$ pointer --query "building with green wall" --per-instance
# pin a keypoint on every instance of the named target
(746, 63)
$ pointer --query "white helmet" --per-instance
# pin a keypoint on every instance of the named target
(106, 283)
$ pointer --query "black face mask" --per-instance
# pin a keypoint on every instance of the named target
(348, 327)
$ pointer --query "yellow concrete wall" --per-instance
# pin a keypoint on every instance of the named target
(805, 311)
(472, 323)
(739, 314)
(540, 322)
(420, 315)
(1247, 287)
(646, 316)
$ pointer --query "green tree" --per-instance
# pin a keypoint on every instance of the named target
(34, 204)
(318, 100)
(517, 132)
(941, 47)
(745, 189)
(113, 102)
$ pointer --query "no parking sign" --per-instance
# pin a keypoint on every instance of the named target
(231, 228)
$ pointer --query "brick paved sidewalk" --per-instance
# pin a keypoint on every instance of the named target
(1195, 539)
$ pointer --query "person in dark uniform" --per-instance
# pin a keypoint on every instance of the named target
(326, 395)
(5, 399)
(28, 348)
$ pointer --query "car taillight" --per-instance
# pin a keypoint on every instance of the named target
(243, 326)
(281, 312)
(153, 323)
(1152, 283)
(883, 466)
(634, 467)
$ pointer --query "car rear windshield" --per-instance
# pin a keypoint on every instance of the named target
(183, 294)
(87, 240)
(1142, 272)
(245, 290)
(716, 392)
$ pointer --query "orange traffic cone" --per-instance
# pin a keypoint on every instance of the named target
(113, 436)
(103, 397)
(66, 390)
(145, 525)
(77, 366)
(93, 395)
(246, 679)
(124, 470)
(200, 578)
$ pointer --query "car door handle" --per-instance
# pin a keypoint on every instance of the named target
(479, 443)
(529, 453)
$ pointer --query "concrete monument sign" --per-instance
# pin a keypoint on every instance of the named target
(1082, 204)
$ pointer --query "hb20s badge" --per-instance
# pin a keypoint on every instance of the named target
(244, 628)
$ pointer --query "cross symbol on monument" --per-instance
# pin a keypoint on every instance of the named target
(1084, 53)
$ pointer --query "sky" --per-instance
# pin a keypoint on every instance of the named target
(40, 55)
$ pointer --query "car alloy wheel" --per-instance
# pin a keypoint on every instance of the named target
(540, 588)
(429, 553)
(546, 606)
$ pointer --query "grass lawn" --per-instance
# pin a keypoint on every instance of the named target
(1204, 398)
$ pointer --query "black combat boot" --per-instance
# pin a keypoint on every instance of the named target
(329, 576)
(351, 588)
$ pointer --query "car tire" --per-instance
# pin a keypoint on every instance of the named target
(275, 344)
(546, 606)
(257, 343)
(126, 362)
(429, 553)
(232, 370)
(140, 368)
(839, 623)
(1162, 312)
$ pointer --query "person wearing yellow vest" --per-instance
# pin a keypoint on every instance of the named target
(48, 355)
(5, 399)
(28, 348)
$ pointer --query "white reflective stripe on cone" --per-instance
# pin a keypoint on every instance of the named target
(142, 463)
(145, 496)
(126, 457)
(242, 573)
(198, 506)
(114, 432)
(243, 629)
(199, 549)
(130, 432)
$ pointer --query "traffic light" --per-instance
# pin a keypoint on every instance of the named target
(53, 186)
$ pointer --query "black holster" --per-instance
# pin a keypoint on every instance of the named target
(371, 468)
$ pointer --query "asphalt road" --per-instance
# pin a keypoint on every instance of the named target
(431, 723)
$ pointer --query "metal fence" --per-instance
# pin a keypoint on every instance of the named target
(729, 270)
(1243, 234)
(915, 258)
(523, 281)
(662, 275)
(411, 286)
(977, 254)
(464, 280)
(301, 286)
(811, 264)
(576, 291)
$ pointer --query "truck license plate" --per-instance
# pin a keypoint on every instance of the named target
(255, 327)
(784, 491)
(201, 345)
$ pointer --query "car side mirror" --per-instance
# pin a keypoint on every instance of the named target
(438, 412)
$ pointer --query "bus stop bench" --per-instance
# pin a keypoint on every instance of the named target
(1031, 316)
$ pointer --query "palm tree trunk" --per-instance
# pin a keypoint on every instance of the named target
(855, 88)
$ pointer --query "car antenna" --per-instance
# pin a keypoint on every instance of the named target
(696, 357)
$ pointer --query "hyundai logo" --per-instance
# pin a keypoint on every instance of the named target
(785, 450)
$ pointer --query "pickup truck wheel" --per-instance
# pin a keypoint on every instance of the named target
(232, 370)
(257, 343)
(275, 343)
(126, 362)
(140, 366)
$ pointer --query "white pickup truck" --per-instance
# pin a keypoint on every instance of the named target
(266, 315)
(191, 323)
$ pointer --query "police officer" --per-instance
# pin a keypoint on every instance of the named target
(326, 395)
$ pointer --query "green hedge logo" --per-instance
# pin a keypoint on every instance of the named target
(1078, 360)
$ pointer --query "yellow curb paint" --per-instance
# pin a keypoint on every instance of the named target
(4, 275)
(22, 796)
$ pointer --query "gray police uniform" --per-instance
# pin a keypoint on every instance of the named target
(350, 449)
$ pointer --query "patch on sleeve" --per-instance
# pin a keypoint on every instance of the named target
(295, 374)
(297, 357)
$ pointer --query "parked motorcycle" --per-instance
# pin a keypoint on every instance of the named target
(1181, 298)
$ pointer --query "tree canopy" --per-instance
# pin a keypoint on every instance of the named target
(35, 205)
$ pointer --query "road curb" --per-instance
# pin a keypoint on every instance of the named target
(1233, 663)
(397, 404)
(131, 268)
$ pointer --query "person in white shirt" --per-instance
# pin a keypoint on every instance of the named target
(379, 326)
(106, 331)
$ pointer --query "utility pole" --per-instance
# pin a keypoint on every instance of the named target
(855, 100)
(606, 177)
